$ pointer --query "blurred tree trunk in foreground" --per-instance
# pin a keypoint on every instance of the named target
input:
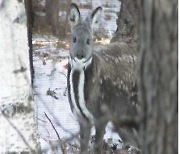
(158, 76)
(17, 126)
(158, 68)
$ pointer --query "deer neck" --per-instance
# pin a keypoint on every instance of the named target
(80, 75)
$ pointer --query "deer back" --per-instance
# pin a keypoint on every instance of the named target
(110, 81)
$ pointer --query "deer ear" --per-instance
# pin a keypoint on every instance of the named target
(74, 15)
(95, 16)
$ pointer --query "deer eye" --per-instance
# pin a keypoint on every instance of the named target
(88, 41)
(74, 39)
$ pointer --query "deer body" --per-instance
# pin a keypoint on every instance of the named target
(101, 81)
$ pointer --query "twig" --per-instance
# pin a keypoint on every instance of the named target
(53, 126)
(54, 117)
(61, 143)
(65, 92)
(63, 74)
(51, 93)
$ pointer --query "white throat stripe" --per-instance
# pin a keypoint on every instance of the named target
(80, 64)
(80, 67)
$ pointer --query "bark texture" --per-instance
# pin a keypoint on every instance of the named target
(29, 15)
(127, 23)
(17, 126)
(52, 15)
(158, 76)
(57, 22)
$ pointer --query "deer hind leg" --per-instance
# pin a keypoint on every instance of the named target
(130, 139)
(85, 131)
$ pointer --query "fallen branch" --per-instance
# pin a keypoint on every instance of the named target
(60, 141)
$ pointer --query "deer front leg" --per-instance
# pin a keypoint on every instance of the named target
(85, 131)
(100, 130)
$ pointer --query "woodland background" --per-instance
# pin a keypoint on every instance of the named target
(34, 37)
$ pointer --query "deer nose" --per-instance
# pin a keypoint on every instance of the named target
(80, 55)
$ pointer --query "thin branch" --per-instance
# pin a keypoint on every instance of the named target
(54, 117)
(65, 92)
(61, 143)
(63, 74)
(53, 126)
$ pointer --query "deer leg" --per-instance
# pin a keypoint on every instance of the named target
(100, 130)
(85, 130)
(129, 138)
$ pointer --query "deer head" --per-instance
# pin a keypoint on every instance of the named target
(81, 48)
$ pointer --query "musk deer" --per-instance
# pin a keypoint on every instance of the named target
(101, 81)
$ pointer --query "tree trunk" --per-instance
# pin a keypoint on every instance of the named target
(17, 126)
(127, 23)
(158, 76)
(52, 15)
(55, 21)
(29, 15)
